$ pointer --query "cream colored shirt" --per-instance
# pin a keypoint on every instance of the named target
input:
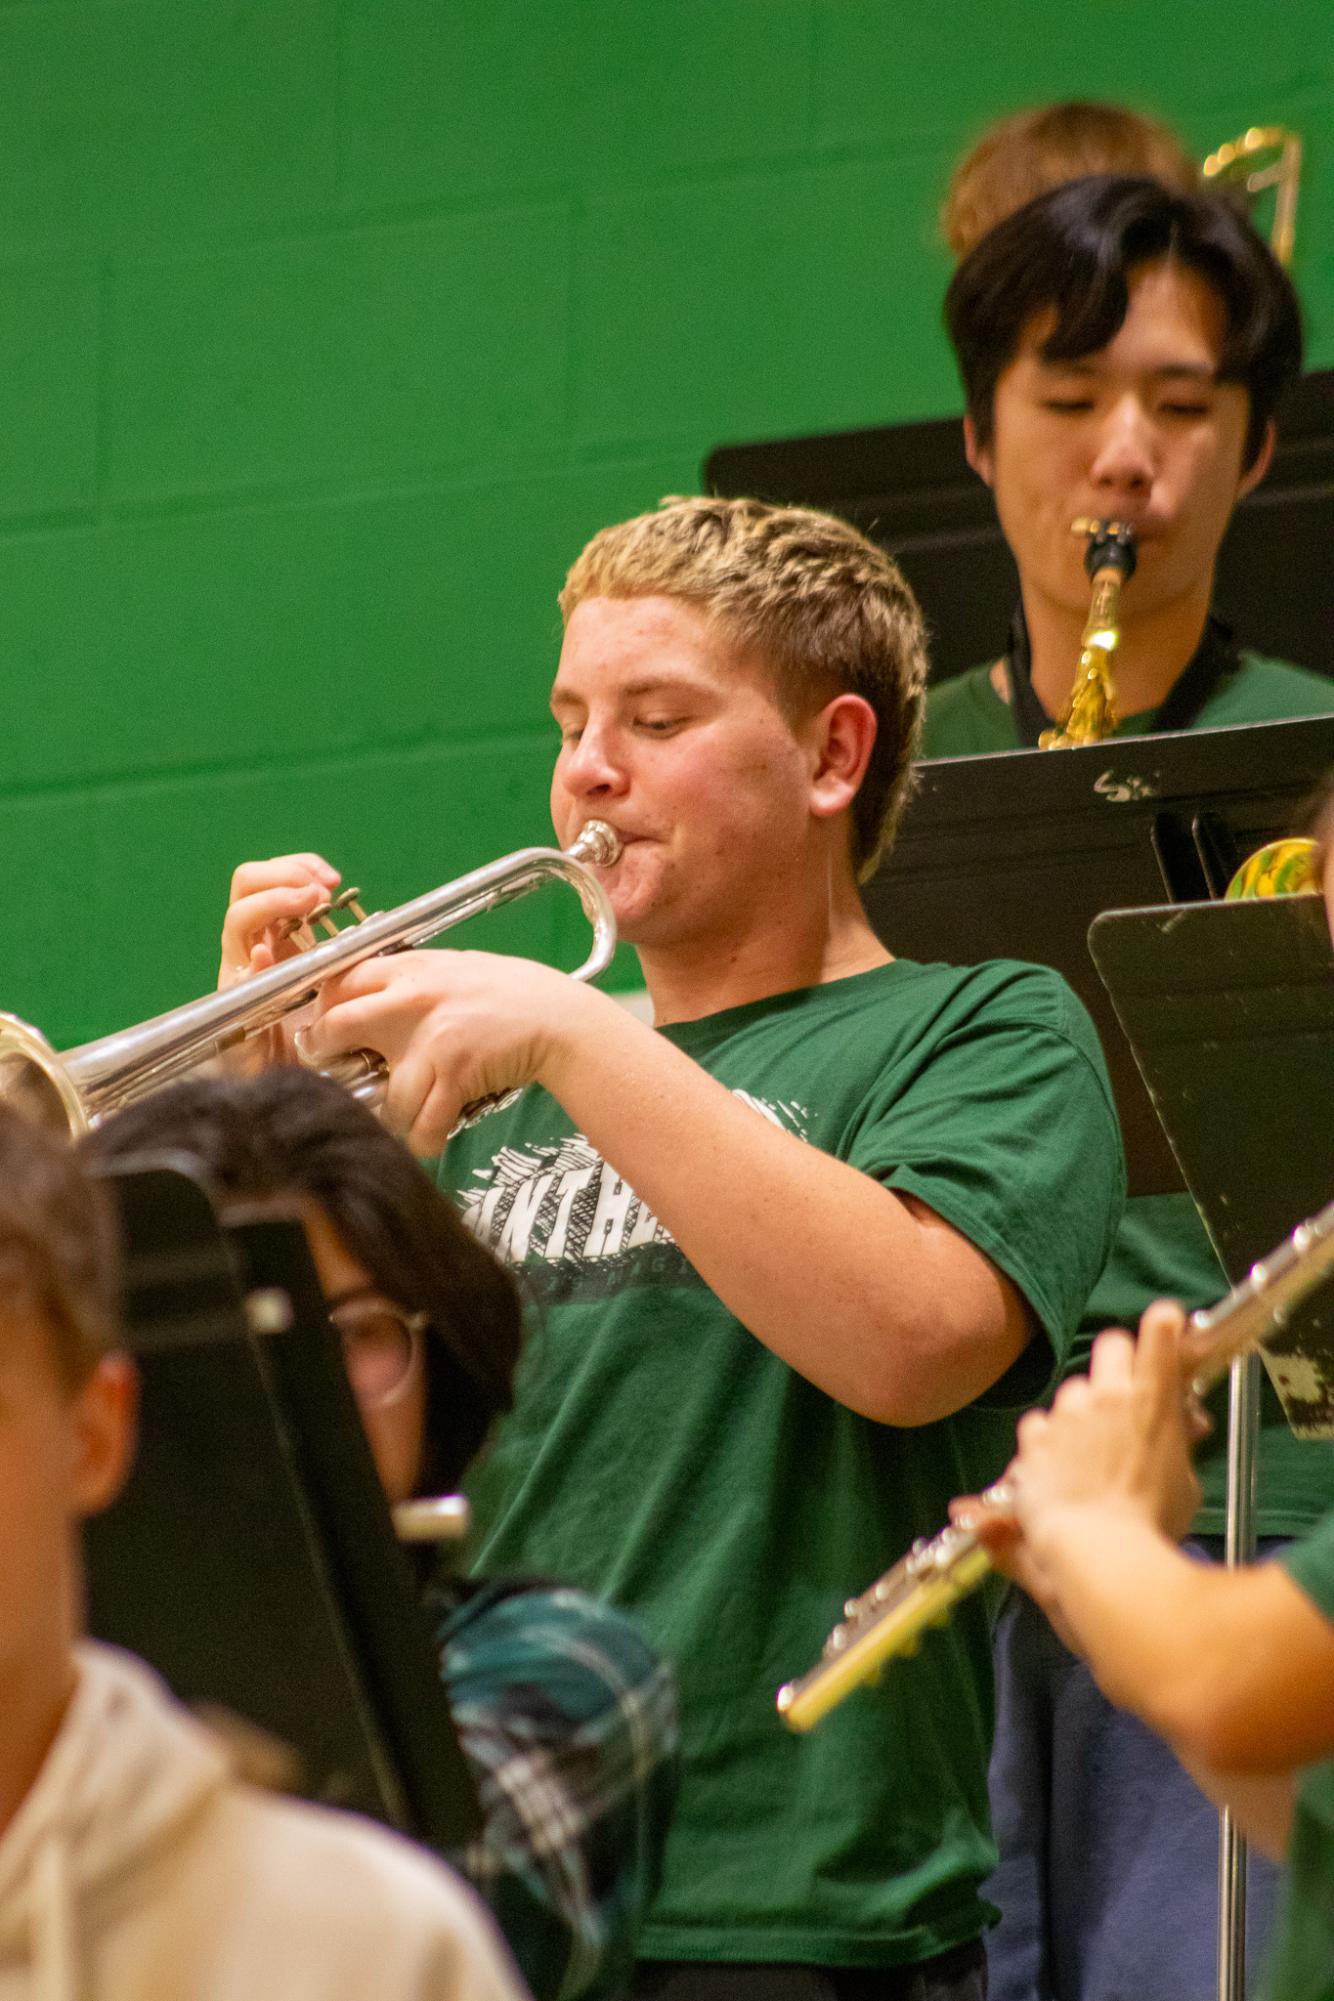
(139, 1869)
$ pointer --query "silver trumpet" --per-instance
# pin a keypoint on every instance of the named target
(69, 1093)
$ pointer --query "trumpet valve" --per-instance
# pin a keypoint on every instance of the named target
(324, 915)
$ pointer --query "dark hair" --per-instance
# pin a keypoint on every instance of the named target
(57, 1247)
(1074, 250)
(288, 1134)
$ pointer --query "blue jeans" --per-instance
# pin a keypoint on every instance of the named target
(1108, 1877)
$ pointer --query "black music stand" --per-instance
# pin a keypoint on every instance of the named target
(1014, 855)
(1229, 1008)
(251, 1558)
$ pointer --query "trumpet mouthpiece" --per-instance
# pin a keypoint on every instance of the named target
(597, 843)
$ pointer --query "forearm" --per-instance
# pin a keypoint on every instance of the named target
(1260, 1806)
(1230, 1666)
(861, 1291)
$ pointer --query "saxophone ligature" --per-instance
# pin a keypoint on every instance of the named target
(890, 1619)
(1090, 715)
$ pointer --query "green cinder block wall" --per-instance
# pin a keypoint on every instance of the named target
(329, 330)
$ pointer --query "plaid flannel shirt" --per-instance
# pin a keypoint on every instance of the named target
(569, 1723)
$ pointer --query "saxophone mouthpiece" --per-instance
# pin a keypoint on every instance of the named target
(1111, 546)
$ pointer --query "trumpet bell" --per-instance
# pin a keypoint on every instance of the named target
(35, 1083)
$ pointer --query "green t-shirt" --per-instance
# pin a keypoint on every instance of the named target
(661, 1455)
(1162, 1248)
(1302, 1960)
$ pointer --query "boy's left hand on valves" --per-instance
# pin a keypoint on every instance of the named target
(452, 1026)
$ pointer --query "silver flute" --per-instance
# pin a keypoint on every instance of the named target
(922, 1589)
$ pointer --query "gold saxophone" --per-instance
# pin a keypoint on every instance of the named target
(1090, 715)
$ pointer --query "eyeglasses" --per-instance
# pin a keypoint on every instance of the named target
(382, 1347)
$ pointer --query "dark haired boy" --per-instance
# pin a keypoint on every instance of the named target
(1123, 349)
(131, 1861)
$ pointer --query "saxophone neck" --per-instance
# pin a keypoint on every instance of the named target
(1102, 628)
(1090, 714)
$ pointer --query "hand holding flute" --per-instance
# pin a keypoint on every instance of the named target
(1116, 1442)
(1184, 1359)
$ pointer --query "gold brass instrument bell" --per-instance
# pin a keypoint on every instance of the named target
(69, 1093)
(1288, 867)
(1090, 715)
(1264, 156)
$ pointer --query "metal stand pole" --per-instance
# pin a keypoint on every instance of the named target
(1243, 1424)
